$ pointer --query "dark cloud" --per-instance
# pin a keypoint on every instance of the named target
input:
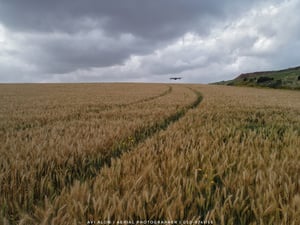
(61, 53)
(97, 40)
(141, 18)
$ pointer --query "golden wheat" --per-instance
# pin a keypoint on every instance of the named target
(233, 160)
(40, 158)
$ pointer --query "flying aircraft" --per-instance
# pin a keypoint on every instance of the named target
(175, 78)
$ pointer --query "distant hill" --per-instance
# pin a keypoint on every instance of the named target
(287, 79)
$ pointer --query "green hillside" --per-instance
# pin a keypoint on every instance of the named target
(287, 79)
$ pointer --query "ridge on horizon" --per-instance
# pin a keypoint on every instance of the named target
(280, 79)
(265, 72)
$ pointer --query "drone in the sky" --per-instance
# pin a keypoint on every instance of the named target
(175, 78)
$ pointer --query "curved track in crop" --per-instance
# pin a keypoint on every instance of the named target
(24, 126)
(87, 168)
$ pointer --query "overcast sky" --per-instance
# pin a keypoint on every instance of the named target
(145, 40)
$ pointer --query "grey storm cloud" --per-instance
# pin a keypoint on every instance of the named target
(148, 19)
(75, 40)
(60, 53)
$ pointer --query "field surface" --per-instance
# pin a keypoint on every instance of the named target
(86, 153)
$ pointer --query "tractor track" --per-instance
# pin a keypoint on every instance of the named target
(91, 166)
(24, 126)
(136, 138)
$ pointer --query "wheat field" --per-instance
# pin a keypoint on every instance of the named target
(86, 153)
